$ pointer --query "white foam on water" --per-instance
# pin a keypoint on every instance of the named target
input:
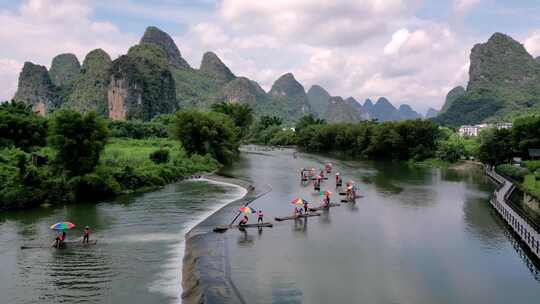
(170, 280)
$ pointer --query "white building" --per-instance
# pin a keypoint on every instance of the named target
(467, 130)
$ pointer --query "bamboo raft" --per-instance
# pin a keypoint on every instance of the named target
(293, 217)
(70, 244)
(324, 207)
(225, 228)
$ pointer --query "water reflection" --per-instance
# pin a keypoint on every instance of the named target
(244, 239)
(417, 236)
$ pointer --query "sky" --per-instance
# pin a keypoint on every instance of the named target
(410, 51)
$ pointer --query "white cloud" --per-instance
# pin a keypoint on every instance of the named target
(532, 43)
(40, 29)
(318, 22)
(398, 39)
(462, 7)
(360, 48)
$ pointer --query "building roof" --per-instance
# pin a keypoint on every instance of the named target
(534, 152)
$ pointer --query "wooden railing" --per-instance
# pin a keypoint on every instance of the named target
(527, 229)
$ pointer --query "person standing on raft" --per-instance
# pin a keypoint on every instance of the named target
(326, 199)
(305, 207)
(339, 181)
(260, 217)
(86, 234)
(317, 184)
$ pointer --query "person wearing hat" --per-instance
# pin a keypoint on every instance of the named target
(86, 234)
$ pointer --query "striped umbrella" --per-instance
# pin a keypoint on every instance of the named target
(298, 201)
(247, 210)
(62, 226)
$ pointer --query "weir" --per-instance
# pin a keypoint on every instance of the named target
(527, 230)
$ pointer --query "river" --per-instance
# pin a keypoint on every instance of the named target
(417, 236)
(138, 256)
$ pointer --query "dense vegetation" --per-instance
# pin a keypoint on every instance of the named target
(72, 156)
(413, 139)
(20, 127)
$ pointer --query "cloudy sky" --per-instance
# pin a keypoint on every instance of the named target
(411, 51)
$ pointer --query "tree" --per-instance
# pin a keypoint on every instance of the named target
(267, 121)
(308, 120)
(207, 133)
(526, 134)
(241, 115)
(21, 127)
(495, 146)
(78, 139)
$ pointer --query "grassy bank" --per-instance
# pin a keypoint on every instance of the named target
(124, 166)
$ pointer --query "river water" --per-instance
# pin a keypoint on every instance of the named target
(417, 236)
(138, 256)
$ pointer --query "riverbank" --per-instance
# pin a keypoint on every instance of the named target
(125, 166)
(205, 271)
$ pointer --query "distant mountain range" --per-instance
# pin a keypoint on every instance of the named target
(504, 83)
(153, 78)
(335, 109)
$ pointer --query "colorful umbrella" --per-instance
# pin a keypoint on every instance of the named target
(62, 226)
(246, 209)
(298, 201)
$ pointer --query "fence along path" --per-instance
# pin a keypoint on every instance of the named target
(528, 231)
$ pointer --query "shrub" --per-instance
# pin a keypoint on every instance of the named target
(532, 165)
(160, 156)
(514, 172)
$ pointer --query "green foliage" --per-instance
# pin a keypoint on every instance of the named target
(241, 115)
(207, 133)
(267, 121)
(137, 129)
(160, 156)
(145, 68)
(125, 166)
(194, 89)
(471, 108)
(78, 140)
(531, 185)
(308, 120)
(526, 134)
(413, 139)
(285, 137)
(532, 165)
(453, 147)
(20, 127)
(88, 91)
(495, 146)
(517, 173)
